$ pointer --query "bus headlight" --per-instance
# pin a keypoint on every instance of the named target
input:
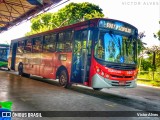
(107, 76)
(102, 73)
(98, 70)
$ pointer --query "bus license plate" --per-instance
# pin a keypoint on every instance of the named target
(122, 82)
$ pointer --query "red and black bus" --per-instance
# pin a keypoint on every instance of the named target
(100, 53)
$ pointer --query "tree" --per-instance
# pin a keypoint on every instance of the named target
(154, 57)
(70, 14)
(156, 49)
(146, 64)
(141, 45)
(158, 34)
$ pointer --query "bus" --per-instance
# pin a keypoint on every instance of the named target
(98, 53)
(4, 52)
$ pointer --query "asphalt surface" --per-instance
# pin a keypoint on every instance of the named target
(37, 94)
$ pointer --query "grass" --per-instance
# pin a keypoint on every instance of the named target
(147, 78)
(151, 83)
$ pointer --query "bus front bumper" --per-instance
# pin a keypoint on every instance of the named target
(101, 82)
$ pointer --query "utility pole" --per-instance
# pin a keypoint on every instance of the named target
(153, 63)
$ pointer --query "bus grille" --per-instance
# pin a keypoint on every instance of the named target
(116, 76)
(121, 66)
(116, 83)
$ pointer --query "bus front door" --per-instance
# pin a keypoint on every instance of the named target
(80, 57)
(13, 59)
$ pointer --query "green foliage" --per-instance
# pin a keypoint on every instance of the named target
(147, 78)
(156, 49)
(158, 33)
(141, 46)
(70, 14)
(155, 83)
(151, 83)
(148, 75)
(146, 65)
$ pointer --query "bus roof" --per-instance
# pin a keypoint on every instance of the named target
(89, 23)
(4, 45)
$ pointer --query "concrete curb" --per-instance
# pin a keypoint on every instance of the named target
(148, 86)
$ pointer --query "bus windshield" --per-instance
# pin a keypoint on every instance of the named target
(115, 48)
(4, 54)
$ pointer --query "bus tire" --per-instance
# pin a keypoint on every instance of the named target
(63, 79)
(97, 89)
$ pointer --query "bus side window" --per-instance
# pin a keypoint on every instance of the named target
(28, 46)
(68, 41)
(49, 43)
(37, 44)
(20, 48)
(61, 42)
(3, 53)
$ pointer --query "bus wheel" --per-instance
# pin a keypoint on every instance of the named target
(98, 89)
(63, 78)
(20, 69)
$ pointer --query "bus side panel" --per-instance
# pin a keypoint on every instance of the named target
(47, 66)
(26, 63)
(64, 59)
(51, 62)
(35, 63)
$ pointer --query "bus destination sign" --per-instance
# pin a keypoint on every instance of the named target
(119, 28)
(116, 26)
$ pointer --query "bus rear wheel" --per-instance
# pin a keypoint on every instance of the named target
(63, 79)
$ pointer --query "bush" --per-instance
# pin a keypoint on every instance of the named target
(146, 77)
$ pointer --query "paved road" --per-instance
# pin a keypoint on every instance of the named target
(38, 94)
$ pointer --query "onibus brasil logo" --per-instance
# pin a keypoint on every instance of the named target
(5, 110)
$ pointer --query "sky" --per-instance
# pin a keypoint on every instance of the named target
(143, 14)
